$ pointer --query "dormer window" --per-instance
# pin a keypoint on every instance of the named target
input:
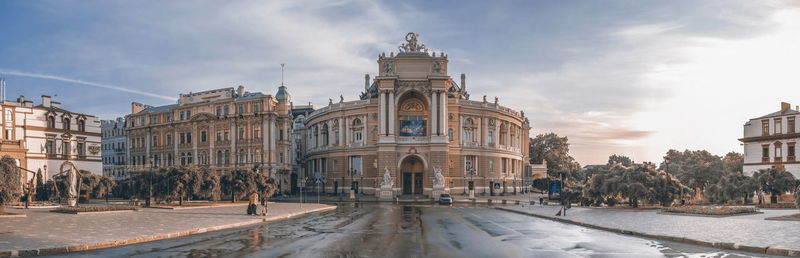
(82, 125)
(66, 123)
(51, 122)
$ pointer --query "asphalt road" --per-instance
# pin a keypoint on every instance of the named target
(386, 230)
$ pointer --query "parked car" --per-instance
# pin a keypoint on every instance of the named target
(445, 199)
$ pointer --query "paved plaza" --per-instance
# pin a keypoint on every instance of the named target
(746, 230)
(43, 231)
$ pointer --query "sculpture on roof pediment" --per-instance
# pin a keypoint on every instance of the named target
(412, 44)
(388, 68)
(437, 67)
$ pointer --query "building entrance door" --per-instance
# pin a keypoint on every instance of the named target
(412, 173)
(407, 179)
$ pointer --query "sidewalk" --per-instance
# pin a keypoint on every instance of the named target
(44, 232)
(750, 233)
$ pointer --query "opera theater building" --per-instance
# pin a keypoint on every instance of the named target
(415, 132)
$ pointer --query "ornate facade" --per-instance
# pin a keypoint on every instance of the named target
(222, 129)
(411, 120)
(46, 136)
(769, 141)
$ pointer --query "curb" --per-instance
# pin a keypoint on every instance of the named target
(721, 245)
(79, 248)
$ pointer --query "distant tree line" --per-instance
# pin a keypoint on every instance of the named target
(681, 175)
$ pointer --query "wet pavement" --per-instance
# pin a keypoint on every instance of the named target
(389, 230)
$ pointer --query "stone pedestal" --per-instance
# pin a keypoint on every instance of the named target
(72, 202)
(352, 194)
(472, 194)
(386, 194)
(437, 191)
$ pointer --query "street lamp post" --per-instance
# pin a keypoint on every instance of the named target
(352, 172)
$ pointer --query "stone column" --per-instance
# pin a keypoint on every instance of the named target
(212, 138)
(382, 115)
(443, 112)
(434, 113)
(392, 113)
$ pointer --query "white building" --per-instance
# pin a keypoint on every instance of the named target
(52, 135)
(115, 152)
(770, 141)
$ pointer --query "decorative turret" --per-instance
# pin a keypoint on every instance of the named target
(283, 96)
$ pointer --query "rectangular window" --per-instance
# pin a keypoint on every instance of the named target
(764, 127)
(790, 124)
(155, 140)
(182, 138)
(256, 107)
(505, 165)
(65, 148)
(188, 115)
(189, 138)
(219, 136)
(169, 117)
(182, 116)
(81, 149)
(219, 110)
(778, 153)
(469, 165)
(790, 151)
(169, 139)
(355, 166)
(225, 110)
(203, 136)
(257, 132)
(778, 126)
(241, 108)
(50, 146)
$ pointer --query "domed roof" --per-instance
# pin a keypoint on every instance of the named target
(283, 95)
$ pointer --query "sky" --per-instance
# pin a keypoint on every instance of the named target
(635, 78)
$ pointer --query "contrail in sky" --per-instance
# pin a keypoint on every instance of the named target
(93, 84)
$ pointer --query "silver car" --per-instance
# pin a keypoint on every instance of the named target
(445, 199)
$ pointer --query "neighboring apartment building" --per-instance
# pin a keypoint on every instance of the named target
(222, 129)
(115, 151)
(299, 114)
(770, 141)
(46, 137)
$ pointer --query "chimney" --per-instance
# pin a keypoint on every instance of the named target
(45, 101)
(21, 99)
(2, 89)
(366, 83)
(463, 82)
(240, 91)
(55, 104)
(137, 107)
(785, 107)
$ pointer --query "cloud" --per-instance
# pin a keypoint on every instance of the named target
(82, 82)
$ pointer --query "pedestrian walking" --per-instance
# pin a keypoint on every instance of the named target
(541, 201)
(252, 204)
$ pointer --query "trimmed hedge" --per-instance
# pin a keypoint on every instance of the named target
(711, 210)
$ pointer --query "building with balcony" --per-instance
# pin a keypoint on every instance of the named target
(221, 130)
(411, 120)
(770, 141)
(114, 148)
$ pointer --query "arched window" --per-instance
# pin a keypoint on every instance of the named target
(51, 122)
(227, 157)
(503, 134)
(357, 130)
(66, 123)
(469, 135)
(82, 125)
(324, 135)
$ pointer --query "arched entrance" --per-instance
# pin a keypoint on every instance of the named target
(411, 173)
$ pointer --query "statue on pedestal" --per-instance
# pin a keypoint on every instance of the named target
(438, 178)
(388, 182)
